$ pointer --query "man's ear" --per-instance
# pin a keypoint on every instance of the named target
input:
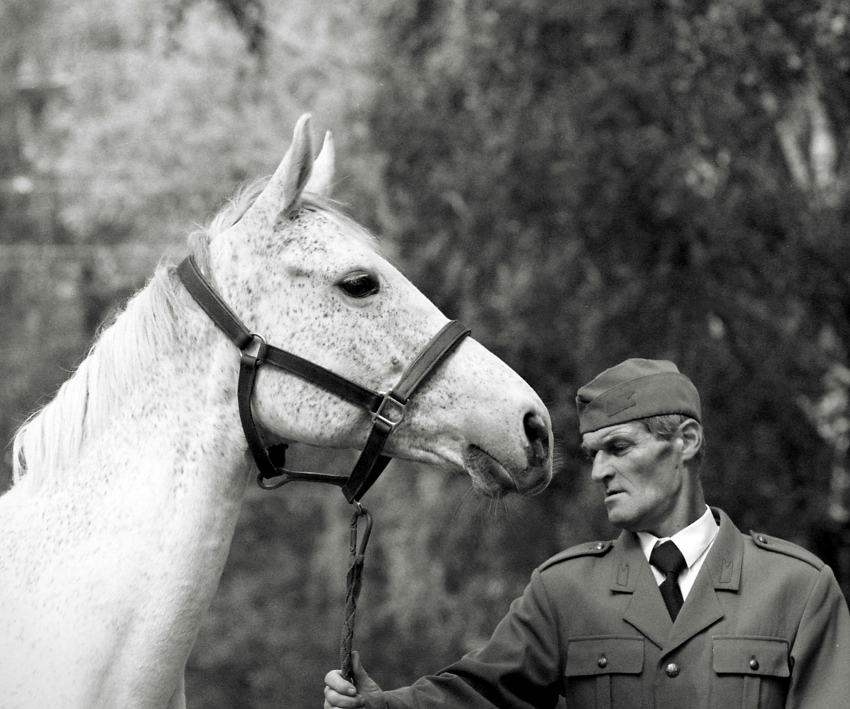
(690, 435)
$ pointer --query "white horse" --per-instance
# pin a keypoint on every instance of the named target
(129, 483)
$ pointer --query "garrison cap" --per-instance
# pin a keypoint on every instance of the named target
(636, 389)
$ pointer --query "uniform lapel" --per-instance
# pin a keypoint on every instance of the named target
(720, 572)
(646, 610)
(726, 557)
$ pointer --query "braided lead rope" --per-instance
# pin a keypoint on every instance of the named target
(353, 579)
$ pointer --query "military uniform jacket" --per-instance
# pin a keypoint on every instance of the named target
(765, 625)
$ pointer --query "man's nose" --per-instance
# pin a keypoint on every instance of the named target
(601, 468)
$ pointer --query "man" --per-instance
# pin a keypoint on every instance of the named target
(721, 619)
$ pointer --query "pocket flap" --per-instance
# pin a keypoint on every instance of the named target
(745, 655)
(605, 654)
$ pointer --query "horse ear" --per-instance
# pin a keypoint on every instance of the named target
(321, 180)
(287, 183)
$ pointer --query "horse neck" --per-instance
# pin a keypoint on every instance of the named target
(151, 411)
(137, 509)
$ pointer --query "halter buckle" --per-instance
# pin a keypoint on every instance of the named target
(379, 415)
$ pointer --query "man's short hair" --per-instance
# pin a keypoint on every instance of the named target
(664, 427)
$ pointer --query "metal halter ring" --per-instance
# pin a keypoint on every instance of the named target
(254, 338)
(378, 414)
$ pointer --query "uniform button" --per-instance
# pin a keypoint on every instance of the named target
(600, 545)
(672, 670)
(602, 661)
(762, 539)
(754, 664)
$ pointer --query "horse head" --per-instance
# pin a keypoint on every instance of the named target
(310, 280)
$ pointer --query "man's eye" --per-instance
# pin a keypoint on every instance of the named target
(360, 285)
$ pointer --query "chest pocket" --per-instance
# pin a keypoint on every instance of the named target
(603, 671)
(749, 672)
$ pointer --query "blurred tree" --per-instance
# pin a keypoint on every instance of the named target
(18, 22)
(249, 16)
(586, 182)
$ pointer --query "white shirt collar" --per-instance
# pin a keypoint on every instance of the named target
(692, 541)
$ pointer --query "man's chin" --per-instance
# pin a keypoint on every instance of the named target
(620, 517)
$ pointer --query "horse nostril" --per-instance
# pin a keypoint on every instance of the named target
(537, 434)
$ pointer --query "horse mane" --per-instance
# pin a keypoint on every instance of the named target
(121, 354)
(124, 350)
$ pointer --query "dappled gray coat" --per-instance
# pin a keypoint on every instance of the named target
(765, 625)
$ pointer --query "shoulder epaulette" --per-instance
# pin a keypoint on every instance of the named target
(587, 549)
(781, 546)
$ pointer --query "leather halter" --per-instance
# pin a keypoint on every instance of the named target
(385, 409)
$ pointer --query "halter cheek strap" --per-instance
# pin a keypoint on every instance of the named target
(386, 409)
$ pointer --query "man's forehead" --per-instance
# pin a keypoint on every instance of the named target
(594, 439)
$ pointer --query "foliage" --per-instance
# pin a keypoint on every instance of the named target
(642, 178)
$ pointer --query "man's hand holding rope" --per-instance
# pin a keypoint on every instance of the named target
(342, 694)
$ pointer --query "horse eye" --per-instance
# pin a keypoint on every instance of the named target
(360, 285)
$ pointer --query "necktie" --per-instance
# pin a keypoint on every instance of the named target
(669, 561)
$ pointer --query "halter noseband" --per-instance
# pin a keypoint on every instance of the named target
(385, 409)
